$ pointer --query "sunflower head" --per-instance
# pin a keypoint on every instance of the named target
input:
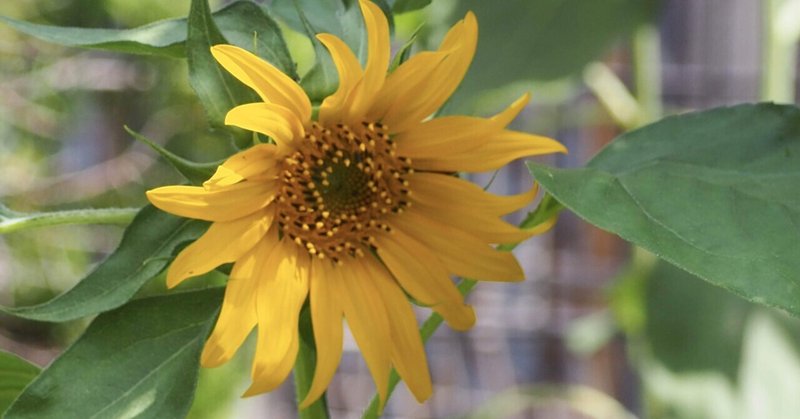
(353, 209)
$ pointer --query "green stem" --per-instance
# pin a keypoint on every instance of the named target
(546, 209)
(647, 72)
(14, 221)
(304, 369)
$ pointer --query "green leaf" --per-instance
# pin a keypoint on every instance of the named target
(713, 192)
(15, 374)
(196, 173)
(249, 26)
(140, 360)
(545, 39)
(238, 21)
(322, 79)
(403, 6)
(164, 37)
(338, 17)
(146, 249)
(217, 90)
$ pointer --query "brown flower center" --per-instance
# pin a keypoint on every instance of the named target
(338, 186)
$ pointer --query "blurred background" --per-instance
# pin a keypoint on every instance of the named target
(598, 329)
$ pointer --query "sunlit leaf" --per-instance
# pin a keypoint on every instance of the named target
(146, 249)
(140, 360)
(15, 374)
(713, 192)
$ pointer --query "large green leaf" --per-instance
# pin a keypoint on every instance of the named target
(217, 90)
(15, 374)
(715, 193)
(140, 361)
(545, 39)
(146, 249)
(240, 22)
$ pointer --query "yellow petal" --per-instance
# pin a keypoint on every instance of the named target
(269, 82)
(504, 118)
(405, 83)
(496, 152)
(487, 227)
(446, 191)
(334, 108)
(238, 315)
(283, 287)
(377, 60)
(258, 161)
(461, 253)
(444, 136)
(458, 134)
(326, 316)
(459, 45)
(269, 119)
(224, 242)
(218, 204)
(422, 275)
(408, 354)
(365, 312)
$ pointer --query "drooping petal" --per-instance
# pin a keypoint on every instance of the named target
(451, 134)
(379, 48)
(496, 152)
(460, 252)
(422, 275)
(408, 354)
(452, 192)
(238, 315)
(411, 107)
(218, 204)
(326, 316)
(224, 242)
(269, 82)
(283, 287)
(365, 312)
(334, 108)
(269, 119)
(257, 162)
(487, 227)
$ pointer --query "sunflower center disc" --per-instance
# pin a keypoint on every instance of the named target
(338, 186)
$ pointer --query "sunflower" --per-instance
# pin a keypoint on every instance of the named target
(352, 208)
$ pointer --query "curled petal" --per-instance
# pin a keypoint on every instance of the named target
(335, 106)
(269, 82)
(269, 119)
